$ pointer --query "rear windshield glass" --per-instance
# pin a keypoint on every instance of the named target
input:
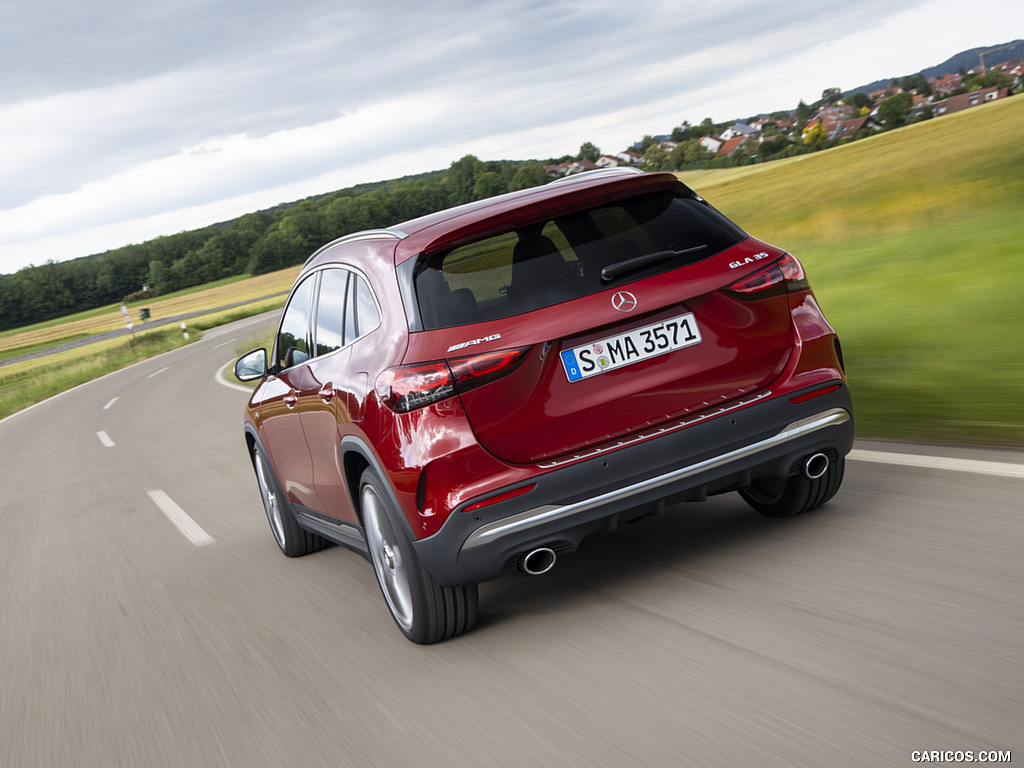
(566, 257)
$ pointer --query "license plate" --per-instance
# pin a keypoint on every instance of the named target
(631, 347)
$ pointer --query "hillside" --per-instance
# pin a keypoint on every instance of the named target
(966, 59)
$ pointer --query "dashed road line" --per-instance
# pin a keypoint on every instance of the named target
(185, 524)
(1000, 469)
(107, 406)
(105, 439)
(157, 373)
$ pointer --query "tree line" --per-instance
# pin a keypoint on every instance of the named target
(285, 236)
(253, 244)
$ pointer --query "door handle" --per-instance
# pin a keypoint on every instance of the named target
(326, 392)
(291, 399)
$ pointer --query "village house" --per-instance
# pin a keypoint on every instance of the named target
(711, 144)
(967, 100)
(738, 130)
(947, 84)
(730, 146)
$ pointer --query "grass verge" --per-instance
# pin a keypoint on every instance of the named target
(26, 383)
(912, 242)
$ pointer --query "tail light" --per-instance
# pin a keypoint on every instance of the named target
(409, 387)
(776, 279)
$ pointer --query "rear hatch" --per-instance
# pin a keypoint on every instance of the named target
(621, 317)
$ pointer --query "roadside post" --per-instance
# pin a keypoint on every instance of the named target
(127, 317)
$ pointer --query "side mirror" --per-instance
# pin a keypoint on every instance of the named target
(252, 365)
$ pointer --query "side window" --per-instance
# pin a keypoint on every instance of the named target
(292, 347)
(361, 314)
(330, 310)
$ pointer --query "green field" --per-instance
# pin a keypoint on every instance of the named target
(914, 244)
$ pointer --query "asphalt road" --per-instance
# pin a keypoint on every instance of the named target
(887, 623)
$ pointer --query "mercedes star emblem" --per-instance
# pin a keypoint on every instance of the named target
(624, 301)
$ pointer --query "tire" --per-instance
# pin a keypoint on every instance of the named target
(795, 495)
(293, 540)
(425, 611)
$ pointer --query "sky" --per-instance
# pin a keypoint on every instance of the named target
(121, 120)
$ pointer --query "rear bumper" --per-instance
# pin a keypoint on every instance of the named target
(769, 439)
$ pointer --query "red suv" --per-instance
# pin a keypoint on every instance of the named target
(475, 391)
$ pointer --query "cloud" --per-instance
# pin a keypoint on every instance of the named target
(121, 117)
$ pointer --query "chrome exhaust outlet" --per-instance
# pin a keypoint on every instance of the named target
(815, 466)
(537, 561)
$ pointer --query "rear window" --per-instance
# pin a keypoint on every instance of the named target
(581, 253)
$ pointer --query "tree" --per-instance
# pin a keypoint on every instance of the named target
(530, 175)
(917, 83)
(646, 142)
(462, 178)
(927, 113)
(489, 184)
(831, 95)
(770, 148)
(895, 110)
(815, 136)
(159, 277)
(656, 158)
(991, 79)
(588, 152)
(683, 132)
(803, 112)
(689, 153)
(860, 100)
(280, 247)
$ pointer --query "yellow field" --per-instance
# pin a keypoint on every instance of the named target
(110, 319)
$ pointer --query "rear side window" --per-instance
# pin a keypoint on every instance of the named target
(361, 314)
(346, 310)
(568, 256)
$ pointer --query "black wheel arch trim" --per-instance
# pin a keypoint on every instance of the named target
(351, 444)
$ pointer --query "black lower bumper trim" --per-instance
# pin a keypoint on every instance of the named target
(763, 441)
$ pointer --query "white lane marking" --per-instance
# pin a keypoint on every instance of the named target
(107, 406)
(188, 527)
(105, 439)
(940, 462)
(157, 373)
(221, 378)
(225, 343)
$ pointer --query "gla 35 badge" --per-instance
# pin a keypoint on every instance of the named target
(749, 260)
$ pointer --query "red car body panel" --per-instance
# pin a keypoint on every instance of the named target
(506, 437)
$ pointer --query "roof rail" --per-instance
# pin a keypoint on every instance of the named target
(624, 170)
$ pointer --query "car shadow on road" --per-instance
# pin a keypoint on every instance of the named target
(691, 537)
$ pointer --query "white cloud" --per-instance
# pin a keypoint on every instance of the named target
(206, 111)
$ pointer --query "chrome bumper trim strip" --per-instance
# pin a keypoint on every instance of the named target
(485, 534)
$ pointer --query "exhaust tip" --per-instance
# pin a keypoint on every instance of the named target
(537, 561)
(815, 466)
